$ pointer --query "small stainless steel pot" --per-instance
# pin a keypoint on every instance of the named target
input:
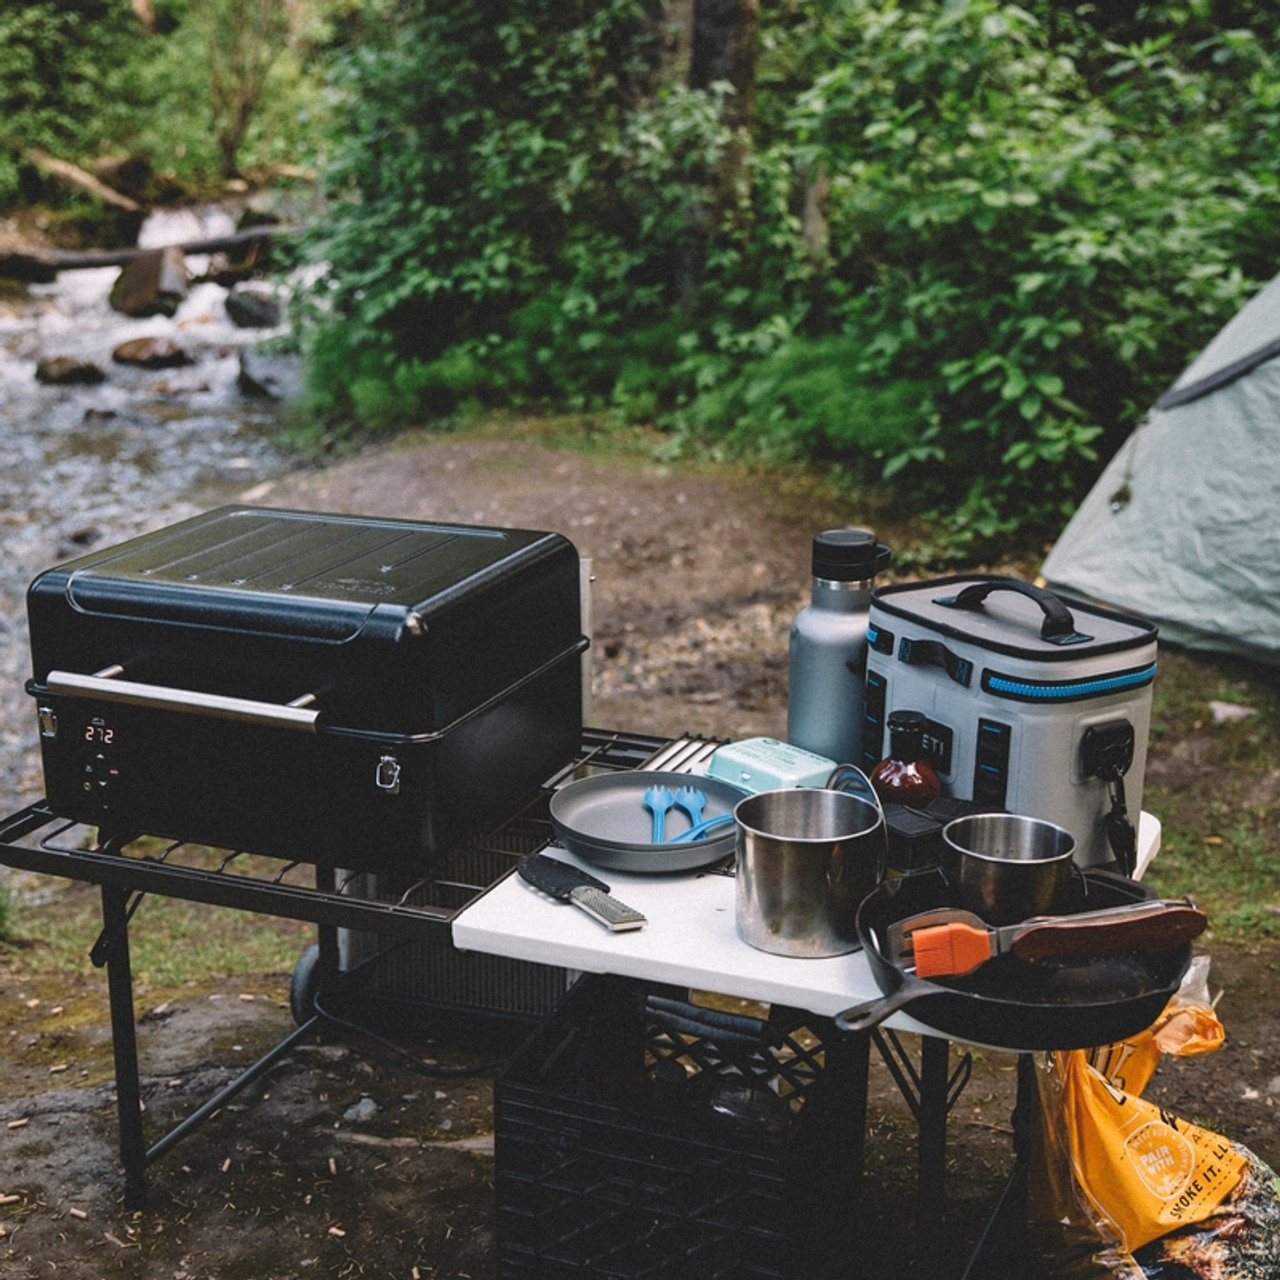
(1007, 867)
(806, 857)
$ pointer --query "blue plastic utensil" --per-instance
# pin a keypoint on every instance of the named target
(692, 801)
(658, 800)
(696, 833)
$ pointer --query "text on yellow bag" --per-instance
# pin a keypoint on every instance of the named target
(1145, 1171)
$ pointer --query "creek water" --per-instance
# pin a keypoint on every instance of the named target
(82, 467)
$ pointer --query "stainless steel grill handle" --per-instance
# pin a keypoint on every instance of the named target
(136, 694)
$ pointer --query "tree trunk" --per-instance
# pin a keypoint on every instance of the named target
(677, 21)
(702, 43)
(726, 44)
(146, 15)
(726, 41)
(43, 265)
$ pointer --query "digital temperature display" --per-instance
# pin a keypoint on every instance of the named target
(99, 733)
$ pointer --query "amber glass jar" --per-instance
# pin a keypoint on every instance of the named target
(905, 775)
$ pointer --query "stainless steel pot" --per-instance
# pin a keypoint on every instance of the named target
(806, 857)
(1006, 867)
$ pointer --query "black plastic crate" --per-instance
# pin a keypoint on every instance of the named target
(639, 1137)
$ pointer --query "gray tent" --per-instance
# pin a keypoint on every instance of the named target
(1183, 528)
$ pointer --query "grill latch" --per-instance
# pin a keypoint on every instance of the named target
(388, 775)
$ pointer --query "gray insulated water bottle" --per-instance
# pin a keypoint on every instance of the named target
(828, 650)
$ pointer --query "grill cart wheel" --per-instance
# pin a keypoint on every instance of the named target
(304, 986)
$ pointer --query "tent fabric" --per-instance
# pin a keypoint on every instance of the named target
(1183, 527)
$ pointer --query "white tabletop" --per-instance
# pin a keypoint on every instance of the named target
(690, 939)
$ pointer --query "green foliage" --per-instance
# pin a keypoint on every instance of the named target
(82, 79)
(1034, 217)
(470, 205)
(811, 399)
(1054, 255)
(67, 79)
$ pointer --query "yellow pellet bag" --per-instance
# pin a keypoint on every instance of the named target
(1143, 1170)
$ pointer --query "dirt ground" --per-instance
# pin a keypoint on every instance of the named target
(346, 1159)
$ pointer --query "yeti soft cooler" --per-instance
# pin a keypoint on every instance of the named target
(1035, 703)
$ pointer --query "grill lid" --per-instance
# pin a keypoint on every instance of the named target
(263, 570)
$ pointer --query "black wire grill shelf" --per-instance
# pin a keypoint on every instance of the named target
(38, 840)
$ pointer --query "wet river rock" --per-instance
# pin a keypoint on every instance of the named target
(151, 353)
(68, 371)
(252, 307)
(153, 284)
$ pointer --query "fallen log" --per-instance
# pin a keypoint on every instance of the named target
(74, 176)
(43, 265)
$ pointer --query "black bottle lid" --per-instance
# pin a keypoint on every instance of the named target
(848, 555)
(906, 735)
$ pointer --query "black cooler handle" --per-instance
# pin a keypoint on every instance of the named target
(105, 687)
(1059, 626)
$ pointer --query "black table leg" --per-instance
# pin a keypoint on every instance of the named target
(931, 1153)
(1005, 1233)
(931, 1092)
(853, 1061)
(124, 1042)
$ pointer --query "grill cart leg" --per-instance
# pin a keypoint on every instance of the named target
(932, 1150)
(124, 1042)
(112, 951)
(328, 967)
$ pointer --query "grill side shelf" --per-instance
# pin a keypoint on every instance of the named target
(216, 888)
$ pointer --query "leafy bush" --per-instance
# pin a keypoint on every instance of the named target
(82, 79)
(1034, 217)
(1045, 252)
(68, 80)
(496, 200)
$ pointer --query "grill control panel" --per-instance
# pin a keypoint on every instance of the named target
(100, 770)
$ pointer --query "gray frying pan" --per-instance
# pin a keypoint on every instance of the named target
(603, 819)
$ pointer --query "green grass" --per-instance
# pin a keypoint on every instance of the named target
(1230, 865)
(173, 942)
(1219, 799)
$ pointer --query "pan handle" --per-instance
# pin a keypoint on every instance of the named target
(107, 688)
(863, 1017)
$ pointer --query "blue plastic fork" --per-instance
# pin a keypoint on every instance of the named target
(696, 833)
(692, 801)
(658, 800)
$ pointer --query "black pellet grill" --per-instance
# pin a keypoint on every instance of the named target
(357, 692)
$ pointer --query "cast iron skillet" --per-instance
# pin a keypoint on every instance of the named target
(1007, 1002)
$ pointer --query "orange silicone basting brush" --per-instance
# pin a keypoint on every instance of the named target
(951, 942)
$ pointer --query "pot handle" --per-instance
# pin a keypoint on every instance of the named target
(863, 1017)
(851, 780)
(104, 686)
(1058, 627)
